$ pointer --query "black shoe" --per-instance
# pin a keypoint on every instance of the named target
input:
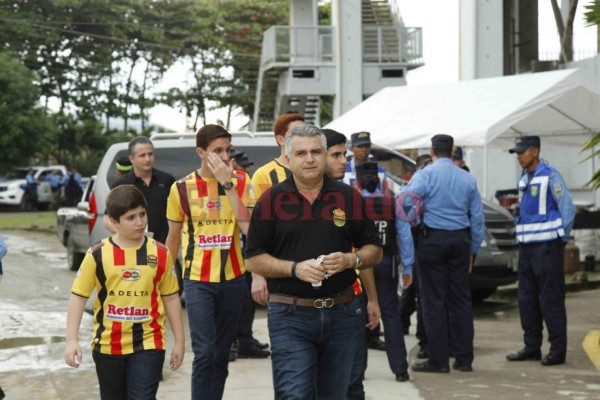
(524, 355)
(426, 367)
(376, 344)
(253, 352)
(402, 377)
(260, 345)
(233, 354)
(462, 367)
(553, 359)
(422, 354)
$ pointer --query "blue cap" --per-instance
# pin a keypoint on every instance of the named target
(235, 153)
(524, 142)
(442, 140)
(458, 153)
(243, 161)
(360, 139)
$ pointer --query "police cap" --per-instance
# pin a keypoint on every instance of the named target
(360, 139)
(234, 153)
(243, 161)
(442, 141)
(123, 164)
(458, 153)
(524, 142)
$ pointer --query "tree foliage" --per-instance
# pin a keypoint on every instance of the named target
(23, 123)
(99, 62)
(592, 16)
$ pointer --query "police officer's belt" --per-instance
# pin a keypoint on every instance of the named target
(430, 229)
(325, 302)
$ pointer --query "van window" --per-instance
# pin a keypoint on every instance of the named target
(180, 161)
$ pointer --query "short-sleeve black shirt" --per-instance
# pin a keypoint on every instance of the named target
(285, 225)
(156, 195)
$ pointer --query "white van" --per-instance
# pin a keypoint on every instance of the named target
(176, 153)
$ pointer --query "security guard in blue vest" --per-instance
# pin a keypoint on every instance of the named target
(545, 221)
(452, 232)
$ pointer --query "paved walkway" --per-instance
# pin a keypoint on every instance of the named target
(250, 379)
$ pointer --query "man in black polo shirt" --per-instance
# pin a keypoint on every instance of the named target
(313, 315)
(153, 183)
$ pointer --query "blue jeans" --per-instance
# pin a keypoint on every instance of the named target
(129, 377)
(313, 349)
(213, 313)
(356, 389)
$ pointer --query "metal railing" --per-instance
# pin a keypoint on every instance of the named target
(298, 44)
(382, 44)
(315, 45)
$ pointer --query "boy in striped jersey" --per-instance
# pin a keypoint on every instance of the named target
(137, 286)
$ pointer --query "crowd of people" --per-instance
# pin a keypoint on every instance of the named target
(323, 242)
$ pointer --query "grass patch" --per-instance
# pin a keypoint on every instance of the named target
(45, 220)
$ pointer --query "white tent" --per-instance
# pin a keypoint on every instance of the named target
(486, 115)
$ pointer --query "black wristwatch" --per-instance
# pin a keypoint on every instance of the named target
(227, 185)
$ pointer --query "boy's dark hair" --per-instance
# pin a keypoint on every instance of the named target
(122, 199)
(334, 137)
(280, 127)
(208, 133)
(137, 140)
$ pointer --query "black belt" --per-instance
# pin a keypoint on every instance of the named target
(446, 230)
(325, 302)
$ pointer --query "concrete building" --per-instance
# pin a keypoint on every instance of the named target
(366, 48)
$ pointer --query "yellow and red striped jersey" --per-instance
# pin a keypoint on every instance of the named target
(266, 176)
(211, 235)
(129, 315)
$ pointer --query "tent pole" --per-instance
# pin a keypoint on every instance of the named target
(485, 170)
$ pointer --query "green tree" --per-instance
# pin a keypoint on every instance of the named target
(243, 25)
(23, 123)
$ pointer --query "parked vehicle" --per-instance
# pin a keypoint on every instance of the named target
(72, 228)
(12, 191)
(496, 261)
(176, 153)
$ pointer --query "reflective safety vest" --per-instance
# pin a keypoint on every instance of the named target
(540, 219)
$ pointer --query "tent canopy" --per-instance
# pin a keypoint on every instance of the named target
(554, 104)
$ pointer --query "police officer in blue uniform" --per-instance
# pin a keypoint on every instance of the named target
(396, 238)
(452, 232)
(545, 221)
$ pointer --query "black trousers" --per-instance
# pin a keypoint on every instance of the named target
(244, 331)
(542, 295)
(445, 294)
(409, 303)
(129, 377)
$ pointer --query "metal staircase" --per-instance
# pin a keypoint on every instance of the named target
(385, 42)
(380, 36)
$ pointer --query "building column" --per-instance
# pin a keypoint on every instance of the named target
(346, 18)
